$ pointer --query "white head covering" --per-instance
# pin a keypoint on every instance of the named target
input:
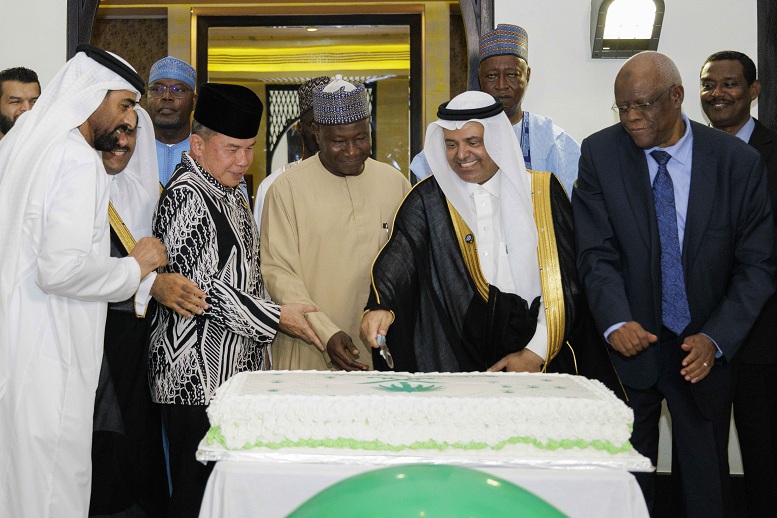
(26, 157)
(518, 225)
(139, 182)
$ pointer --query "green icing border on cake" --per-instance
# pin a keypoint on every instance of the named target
(214, 435)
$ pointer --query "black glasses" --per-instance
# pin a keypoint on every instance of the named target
(623, 109)
(177, 91)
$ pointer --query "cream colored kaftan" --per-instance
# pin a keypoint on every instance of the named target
(319, 236)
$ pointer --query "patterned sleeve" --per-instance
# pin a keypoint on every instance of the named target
(243, 314)
(184, 224)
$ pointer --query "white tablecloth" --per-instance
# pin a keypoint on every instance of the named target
(238, 489)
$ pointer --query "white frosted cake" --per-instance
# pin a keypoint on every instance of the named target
(545, 418)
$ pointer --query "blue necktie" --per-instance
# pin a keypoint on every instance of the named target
(674, 302)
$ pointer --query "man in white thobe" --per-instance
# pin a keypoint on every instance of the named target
(56, 280)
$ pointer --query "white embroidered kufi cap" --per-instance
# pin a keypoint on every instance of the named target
(340, 102)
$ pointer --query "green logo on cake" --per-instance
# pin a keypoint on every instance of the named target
(404, 386)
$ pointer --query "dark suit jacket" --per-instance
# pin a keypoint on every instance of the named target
(727, 248)
(760, 347)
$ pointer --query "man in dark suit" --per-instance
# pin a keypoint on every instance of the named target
(728, 88)
(675, 238)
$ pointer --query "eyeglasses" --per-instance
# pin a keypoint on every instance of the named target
(177, 91)
(623, 109)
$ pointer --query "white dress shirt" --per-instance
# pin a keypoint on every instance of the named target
(492, 252)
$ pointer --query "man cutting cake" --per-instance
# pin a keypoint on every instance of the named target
(479, 271)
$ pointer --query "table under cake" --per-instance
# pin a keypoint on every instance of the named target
(274, 488)
(270, 477)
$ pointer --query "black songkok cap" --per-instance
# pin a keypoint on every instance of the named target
(232, 110)
(110, 62)
(446, 114)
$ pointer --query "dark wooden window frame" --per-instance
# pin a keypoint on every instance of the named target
(478, 18)
(767, 62)
(80, 20)
(414, 21)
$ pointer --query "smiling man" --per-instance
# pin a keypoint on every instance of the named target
(57, 279)
(728, 88)
(674, 235)
(504, 72)
(128, 464)
(479, 272)
(323, 223)
(19, 89)
(204, 220)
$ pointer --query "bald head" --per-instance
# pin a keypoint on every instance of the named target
(649, 95)
(658, 65)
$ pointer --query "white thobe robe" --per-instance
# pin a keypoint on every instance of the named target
(59, 307)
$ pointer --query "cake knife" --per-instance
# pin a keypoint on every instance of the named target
(384, 350)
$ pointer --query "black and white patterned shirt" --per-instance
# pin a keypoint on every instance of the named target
(211, 238)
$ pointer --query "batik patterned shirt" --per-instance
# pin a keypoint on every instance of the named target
(211, 238)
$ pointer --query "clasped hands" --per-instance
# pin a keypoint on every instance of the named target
(631, 339)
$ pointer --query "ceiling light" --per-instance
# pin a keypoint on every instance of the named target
(622, 28)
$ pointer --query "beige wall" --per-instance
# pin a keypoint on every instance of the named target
(392, 133)
(121, 37)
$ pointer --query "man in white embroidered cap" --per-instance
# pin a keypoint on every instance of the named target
(479, 273)
(57, 278)
(323, 223)
(204, 220)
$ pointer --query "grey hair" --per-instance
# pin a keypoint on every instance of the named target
(203, 131)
